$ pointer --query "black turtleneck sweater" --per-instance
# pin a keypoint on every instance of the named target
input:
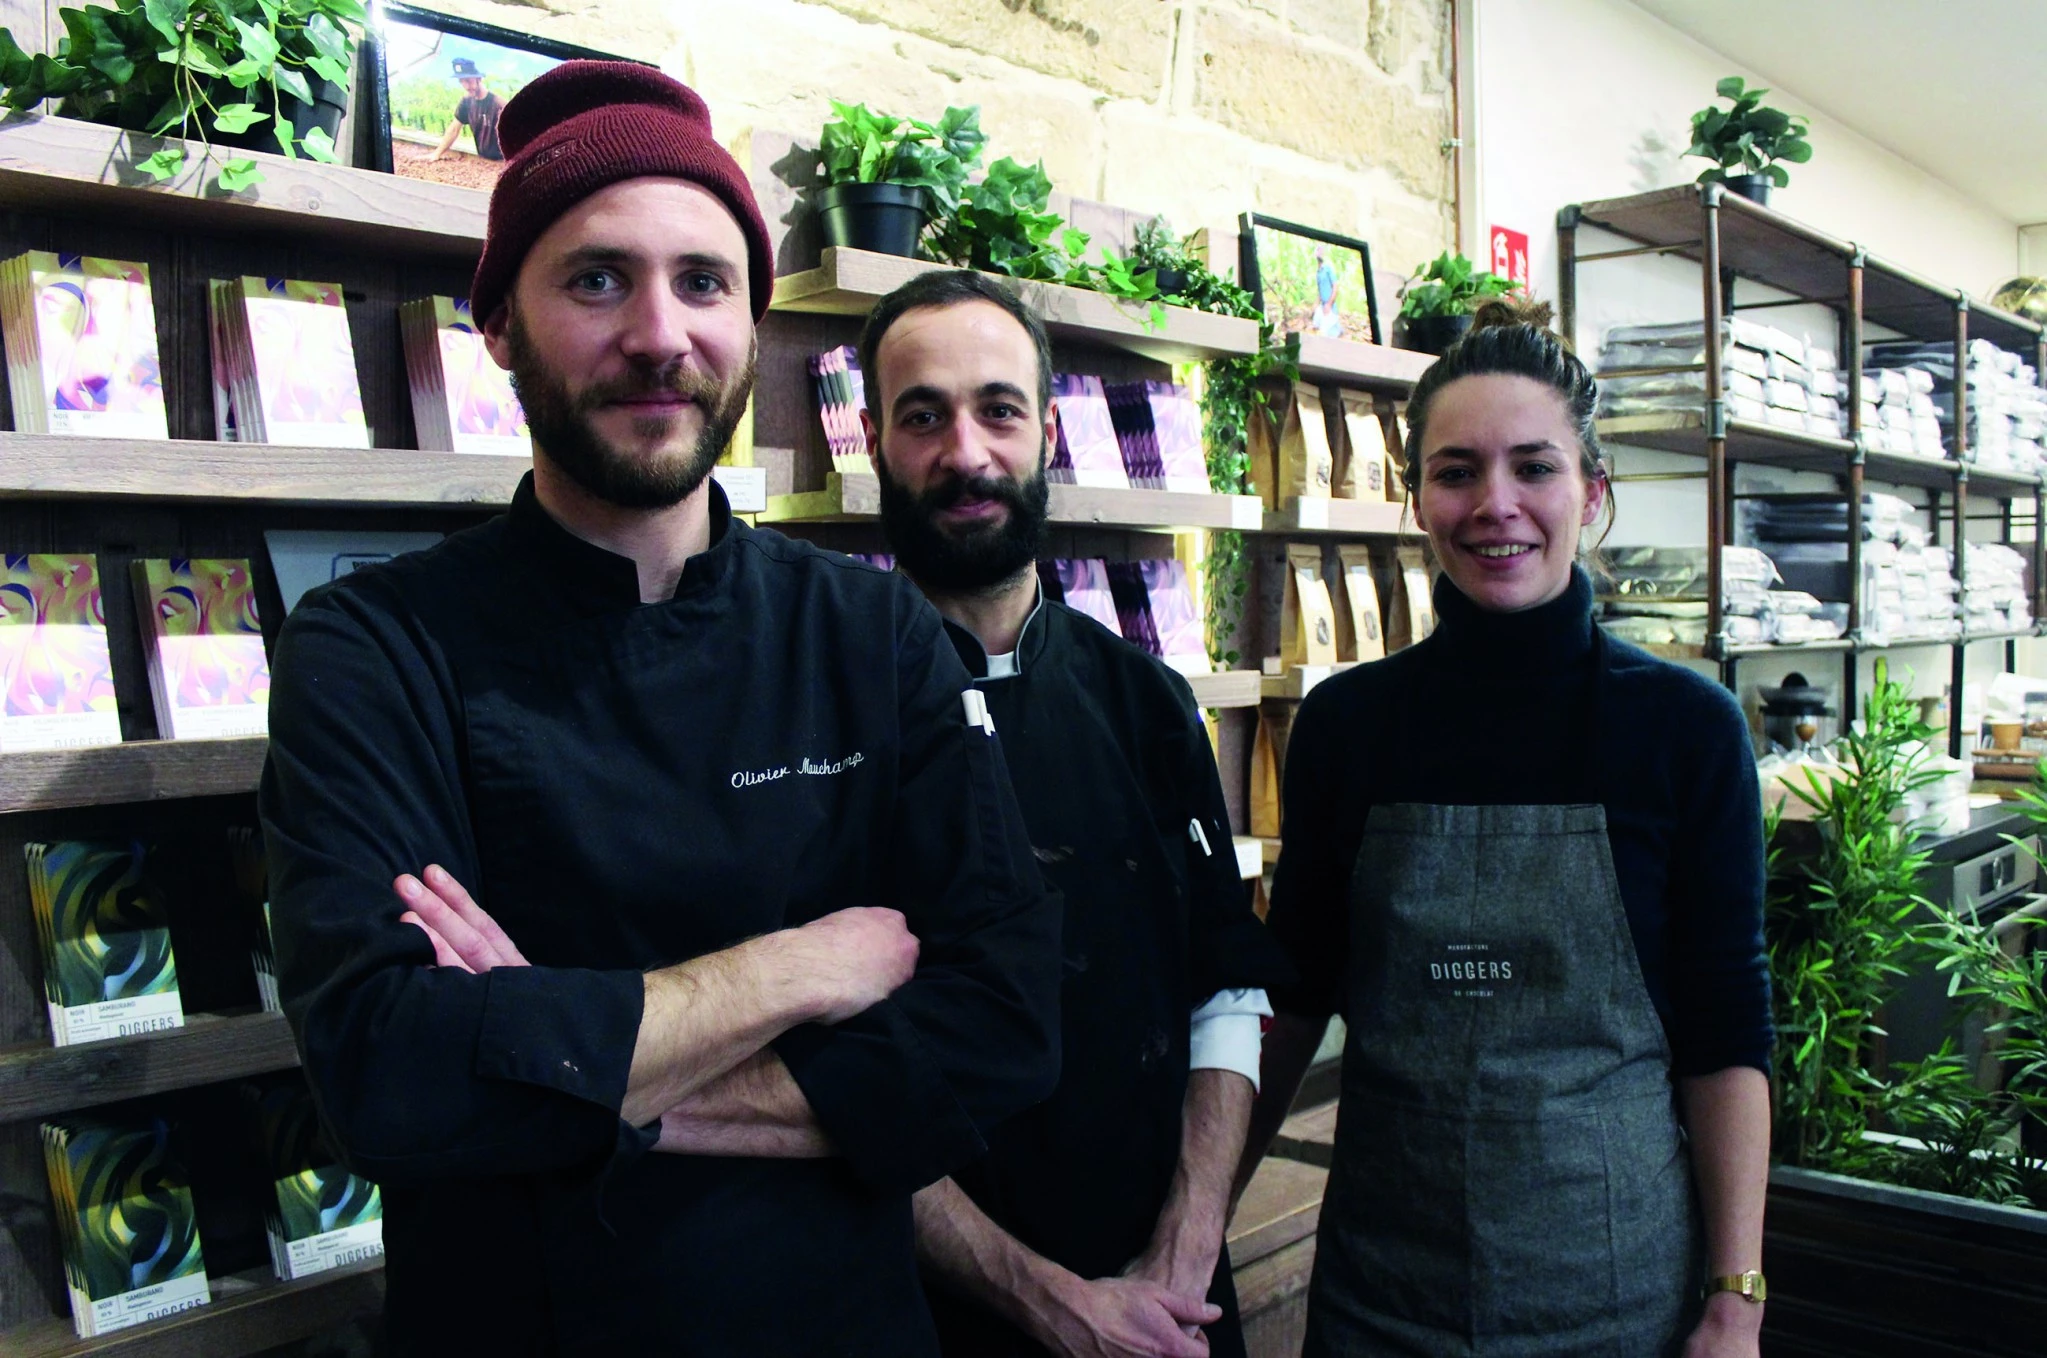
(1509, 709)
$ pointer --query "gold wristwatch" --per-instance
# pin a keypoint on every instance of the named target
(1749, 1286)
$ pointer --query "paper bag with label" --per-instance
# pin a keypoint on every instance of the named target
(1394, 427)
(1359, 633)
(1362, 473)
(1307, 630)
(1306, 464)
(1414, 615)
(1268, 764)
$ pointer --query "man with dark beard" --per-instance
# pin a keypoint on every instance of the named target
(782, 956)
(1094, 1225)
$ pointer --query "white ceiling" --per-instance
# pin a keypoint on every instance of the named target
(1957, 87)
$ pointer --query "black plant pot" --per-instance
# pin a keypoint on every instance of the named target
(330, 102)
(1754, 187)
(1435, 334)
(1171, 282)
(884, 218)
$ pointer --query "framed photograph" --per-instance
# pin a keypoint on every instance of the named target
(1310, 282)
(441, 83)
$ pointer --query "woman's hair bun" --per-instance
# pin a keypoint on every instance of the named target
(1515, 309)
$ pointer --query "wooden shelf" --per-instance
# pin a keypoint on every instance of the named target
(1300, 680)
(38, 1081)
(850, 282)
(1226, 688)
(250, 1312)
(1309, 1136)
(55, 466)
(857, 496)
(67, 165)
(1281, 1206)
(133, 771)
(1352, 518)
(2001, 485)
(1365, 367)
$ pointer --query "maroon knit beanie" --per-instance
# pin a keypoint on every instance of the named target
(588, 124)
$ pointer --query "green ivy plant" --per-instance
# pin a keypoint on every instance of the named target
(191, 69)
(1450, 285)
(863, 147)
(1747, 138)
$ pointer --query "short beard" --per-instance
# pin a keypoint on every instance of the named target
(980, 559)
(561, 428)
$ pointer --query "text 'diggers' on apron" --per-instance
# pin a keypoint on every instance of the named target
(1509, 1177)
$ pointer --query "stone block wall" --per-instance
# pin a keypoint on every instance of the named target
(1332, 113)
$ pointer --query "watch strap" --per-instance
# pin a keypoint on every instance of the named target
(1749, 1286)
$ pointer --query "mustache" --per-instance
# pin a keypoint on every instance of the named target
(950, 492)
(673, 380)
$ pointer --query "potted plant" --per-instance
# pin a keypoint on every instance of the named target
(1747, 142)
(1169, 257)
(1437, 304)
(1886, 1170)
(255, 74)
(886, 177)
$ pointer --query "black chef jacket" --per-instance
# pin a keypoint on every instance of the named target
(1113, 768)
(625, 786)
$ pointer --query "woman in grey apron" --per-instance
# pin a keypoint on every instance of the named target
(1525, 863)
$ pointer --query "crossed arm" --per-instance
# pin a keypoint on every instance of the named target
(701, 1062)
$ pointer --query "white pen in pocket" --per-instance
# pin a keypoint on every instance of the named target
(977, 710)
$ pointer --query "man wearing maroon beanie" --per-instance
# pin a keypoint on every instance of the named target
(652, 910)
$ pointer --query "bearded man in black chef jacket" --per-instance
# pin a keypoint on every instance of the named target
(1094, 1225)
(715, 930)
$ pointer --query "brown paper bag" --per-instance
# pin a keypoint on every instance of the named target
(1307, 631)
(1414, 615)
(1268, 767)
(1393, 428)
(1364, 466)
(1261, 447)
(1306, 464)
(1360, 616)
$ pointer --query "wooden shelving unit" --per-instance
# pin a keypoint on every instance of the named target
(36, 1082)
(1306, 515)
(1227, 688)
(53, 466)
(850, 282)
(133, 771)
(248, 1314)
(1378, 368)
(852, 496)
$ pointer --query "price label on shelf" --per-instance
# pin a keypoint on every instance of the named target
(1313, 512)
(1247, 512)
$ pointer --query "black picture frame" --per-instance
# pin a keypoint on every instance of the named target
(1248, 226)
(378, 48)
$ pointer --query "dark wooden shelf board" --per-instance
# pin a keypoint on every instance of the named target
(1987, 483)
(250, 1312)
(1281, 1205)
(64, 164)
(38, 1081)
(54, 466)
(854, 496)
(1365, 367)
(1754, 241)
(1922, 309)
(133, 771)
(850, 282)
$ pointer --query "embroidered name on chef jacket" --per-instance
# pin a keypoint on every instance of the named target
(805, 767)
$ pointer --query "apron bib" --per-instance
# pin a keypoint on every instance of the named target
(1509, 1177)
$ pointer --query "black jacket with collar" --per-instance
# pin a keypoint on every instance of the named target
(1118, 785)
(624, 786)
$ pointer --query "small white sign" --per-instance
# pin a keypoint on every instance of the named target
(745, 487)
(1247, 512)
(1314, 511)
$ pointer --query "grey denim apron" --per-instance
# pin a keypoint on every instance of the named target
(1509, 1176)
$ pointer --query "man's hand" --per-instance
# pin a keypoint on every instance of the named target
(1124, 1318)
(1731, 1328)
(462, 934)
(854, 959)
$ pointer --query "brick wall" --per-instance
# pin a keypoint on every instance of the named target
(1328, 112)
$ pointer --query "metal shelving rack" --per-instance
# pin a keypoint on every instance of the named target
(1733, 239)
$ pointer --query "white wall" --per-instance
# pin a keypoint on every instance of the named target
(1576, 100)
(1585, 99)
